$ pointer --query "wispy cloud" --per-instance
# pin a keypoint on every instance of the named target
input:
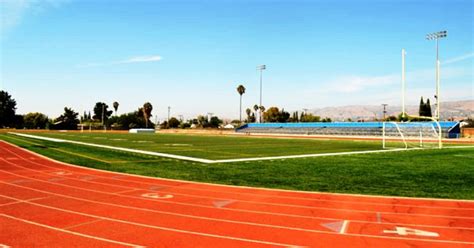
(354, 83)
(459, 58)
(132, 60)
(14, 11)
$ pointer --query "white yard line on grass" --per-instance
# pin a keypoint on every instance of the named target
(209, 161)
(165, 155)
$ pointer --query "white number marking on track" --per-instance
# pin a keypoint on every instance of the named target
(404, 231)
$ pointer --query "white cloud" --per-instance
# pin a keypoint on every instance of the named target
(354, 83)
(140, 59)
(12, 12)
(132, 60)
(459, 58)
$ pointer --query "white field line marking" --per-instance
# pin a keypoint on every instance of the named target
(131, 189)
(223, 220)
(155, 227)
(309, 193)
(69, 232)
(241, 239)
(237, 210)
(344, 227)
(159, 154)
(206, 161)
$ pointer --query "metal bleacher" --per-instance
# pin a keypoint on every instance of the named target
(449, 128)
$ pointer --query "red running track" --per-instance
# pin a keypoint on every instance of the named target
(49, 203)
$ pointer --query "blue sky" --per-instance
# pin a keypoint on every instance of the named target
(191, 55)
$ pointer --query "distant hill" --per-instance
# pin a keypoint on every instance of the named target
(454, 109)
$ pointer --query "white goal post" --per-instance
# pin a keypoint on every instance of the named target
(412, 134)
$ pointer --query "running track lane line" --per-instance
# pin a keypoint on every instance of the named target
(373, 198)
(70, 232)
(153, 226)
(444, 218)
(206, 206)
(148, 185)
(208, 197)
(418, 200)
(313, 231)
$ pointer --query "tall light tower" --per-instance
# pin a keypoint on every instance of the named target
(436, 36)
(261, 68)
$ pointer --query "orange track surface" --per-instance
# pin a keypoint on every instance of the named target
(52, 204)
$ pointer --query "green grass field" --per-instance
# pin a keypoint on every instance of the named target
(446, 173)
(216, 147)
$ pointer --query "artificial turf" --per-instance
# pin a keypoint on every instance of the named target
(446, 173)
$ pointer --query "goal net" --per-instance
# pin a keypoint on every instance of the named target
(411, 135)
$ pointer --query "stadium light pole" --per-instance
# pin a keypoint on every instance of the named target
(261, 68)
(436, 36)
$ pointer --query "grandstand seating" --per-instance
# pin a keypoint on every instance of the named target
(449, 129)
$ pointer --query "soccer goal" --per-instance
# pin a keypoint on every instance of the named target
(411, 135)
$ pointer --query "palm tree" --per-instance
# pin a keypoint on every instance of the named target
(241, 91)
(116, 105)
(255, 107)
(248, 111)
(262, 109)
(147, 108)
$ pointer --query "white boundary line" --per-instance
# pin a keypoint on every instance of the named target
(235, 238)
(245, 187)
(159, 154)
(69, 232)
(153, 226)
(217, 219)
(230, 209)
(207, 161)
(131, 189)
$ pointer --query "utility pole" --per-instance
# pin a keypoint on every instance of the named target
(385, 110)
(169, 111)
(103, 107)
(403, 83)
(261, 68)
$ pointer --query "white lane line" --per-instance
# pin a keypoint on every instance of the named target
(83, 224)
(308, 193)
(241, 239)
(237, 210)
(214, 219)
(200, 196)
(345, 225)
(70, 232)
(27, 200)
(157, 227)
